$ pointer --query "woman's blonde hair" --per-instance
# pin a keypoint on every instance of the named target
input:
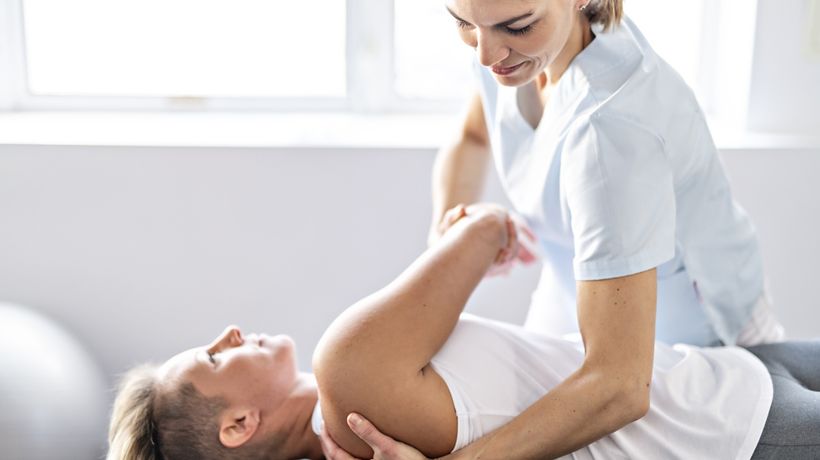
(605, 12)
(175, 423)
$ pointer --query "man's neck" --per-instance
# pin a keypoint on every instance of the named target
(301, 442)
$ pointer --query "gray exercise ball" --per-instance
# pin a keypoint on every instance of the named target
(53, 396)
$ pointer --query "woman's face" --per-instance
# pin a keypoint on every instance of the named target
(253, 370)
(516, 39)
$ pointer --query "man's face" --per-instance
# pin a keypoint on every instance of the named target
(246, 371)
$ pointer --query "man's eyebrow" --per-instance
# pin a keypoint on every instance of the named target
(500, 24)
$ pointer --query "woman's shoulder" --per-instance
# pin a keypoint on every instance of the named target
(627, 79)
(599, 129)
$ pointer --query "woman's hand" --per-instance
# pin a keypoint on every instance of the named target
(516, 249)
(384, 447)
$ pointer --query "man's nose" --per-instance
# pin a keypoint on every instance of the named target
(230, 337)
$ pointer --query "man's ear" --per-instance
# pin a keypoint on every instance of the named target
(237, 426)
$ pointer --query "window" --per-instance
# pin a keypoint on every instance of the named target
(198, 48)
(431, 60)
(357, 55)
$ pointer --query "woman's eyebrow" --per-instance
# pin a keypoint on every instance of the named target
(500, 24)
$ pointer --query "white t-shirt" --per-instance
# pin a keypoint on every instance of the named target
(704, 402)
(620, 176)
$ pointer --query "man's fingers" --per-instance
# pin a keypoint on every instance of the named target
(369, 433)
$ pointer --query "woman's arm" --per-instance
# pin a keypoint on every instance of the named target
(460, 168)
(610, 390)
(388, 338)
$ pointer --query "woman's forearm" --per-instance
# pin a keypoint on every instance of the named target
(458, 175)
(460, 168)
(611, 389)
(584, 408)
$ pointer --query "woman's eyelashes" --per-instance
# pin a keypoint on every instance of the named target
(521, 31)
(461, 24)
(211, 357)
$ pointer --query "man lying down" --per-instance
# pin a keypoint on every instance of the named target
(408, 360)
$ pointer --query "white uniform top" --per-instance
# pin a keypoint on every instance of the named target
(704, 402)
(621, 176)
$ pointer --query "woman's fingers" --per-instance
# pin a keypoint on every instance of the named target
(499, 270)
(525, 255)
(377, 441)
(512, 239)
(527, 231)
(332, 450)
(384, 447)
(451, 217)
(527, 241)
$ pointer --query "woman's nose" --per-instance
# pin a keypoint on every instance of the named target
(490, 49)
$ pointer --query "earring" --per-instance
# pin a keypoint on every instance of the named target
(583, 7)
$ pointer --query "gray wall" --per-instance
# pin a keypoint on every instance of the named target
(141, 252)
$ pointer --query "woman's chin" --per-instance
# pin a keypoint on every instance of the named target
(518, 78)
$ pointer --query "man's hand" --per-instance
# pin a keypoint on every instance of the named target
(384, 447)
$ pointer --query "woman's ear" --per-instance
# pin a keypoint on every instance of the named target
(237, 426)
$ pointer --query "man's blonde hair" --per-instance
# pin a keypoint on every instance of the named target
(131, 433)
(150, 422)
(605, 12)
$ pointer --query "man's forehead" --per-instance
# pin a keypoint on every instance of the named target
(180, 365)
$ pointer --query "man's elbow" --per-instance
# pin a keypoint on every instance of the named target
(635, 400)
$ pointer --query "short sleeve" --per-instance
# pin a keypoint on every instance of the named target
(619, 190)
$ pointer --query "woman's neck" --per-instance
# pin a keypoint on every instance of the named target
(580, 37)
(301, 442)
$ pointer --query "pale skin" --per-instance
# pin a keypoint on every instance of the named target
(616, 316)
(256, 376)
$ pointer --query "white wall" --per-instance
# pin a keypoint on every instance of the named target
(143, 252)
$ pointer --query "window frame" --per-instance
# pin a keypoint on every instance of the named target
(370, 74)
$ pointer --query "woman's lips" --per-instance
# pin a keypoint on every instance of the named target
(506, 70)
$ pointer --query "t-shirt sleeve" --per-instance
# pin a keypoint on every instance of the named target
(620, 194)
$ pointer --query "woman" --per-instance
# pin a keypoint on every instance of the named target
(440, 381)
(602, 148)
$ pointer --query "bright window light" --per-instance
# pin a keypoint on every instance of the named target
(201, 48)
(431, 60)
(674, 29)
